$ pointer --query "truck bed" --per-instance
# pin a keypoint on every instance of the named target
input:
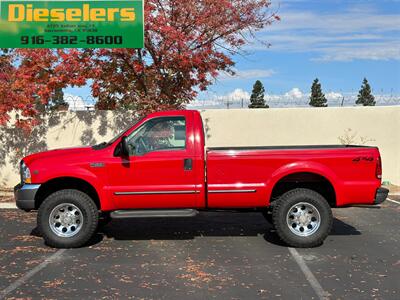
(249, 174)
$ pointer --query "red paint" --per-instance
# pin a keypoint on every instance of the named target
(352, 172)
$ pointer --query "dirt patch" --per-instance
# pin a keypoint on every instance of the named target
(13, 215)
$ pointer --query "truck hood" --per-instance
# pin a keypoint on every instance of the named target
(58, 153)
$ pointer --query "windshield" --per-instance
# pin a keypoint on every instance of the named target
(123, 132)
(118, 136)
(106, 144)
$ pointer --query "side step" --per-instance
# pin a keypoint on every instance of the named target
(154, 213)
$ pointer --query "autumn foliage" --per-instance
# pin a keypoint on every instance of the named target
(187, 43)
(28, 80)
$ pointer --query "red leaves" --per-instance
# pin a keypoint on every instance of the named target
(277, 18)
(27, 81)
(187, 42)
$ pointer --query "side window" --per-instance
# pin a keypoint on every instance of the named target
(158, 134)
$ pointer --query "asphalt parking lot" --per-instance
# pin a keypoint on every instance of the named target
(214, 255)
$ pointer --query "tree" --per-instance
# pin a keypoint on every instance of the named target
(28, 81)
(187, 44)
(365, 96)
(57, 101)
(317, 98)
(6, 99)
(257, 96)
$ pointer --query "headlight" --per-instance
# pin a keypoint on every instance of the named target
(25, 173)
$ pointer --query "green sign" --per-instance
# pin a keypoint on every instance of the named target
(71, 24)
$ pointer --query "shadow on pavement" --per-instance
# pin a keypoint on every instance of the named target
(206, 224)
(341, 228)
(209, 224)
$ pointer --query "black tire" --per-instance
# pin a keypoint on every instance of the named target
(280, 216)
(89, 222)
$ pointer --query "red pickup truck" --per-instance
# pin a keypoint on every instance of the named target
(160, 167)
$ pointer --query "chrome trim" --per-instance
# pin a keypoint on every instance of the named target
(156, 193)
(231, 191)
(30, 186)
(239, 185)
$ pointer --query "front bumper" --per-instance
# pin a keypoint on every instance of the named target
(25, 195)
(381, 195)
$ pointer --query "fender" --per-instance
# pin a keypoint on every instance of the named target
(97, 182)
(305, 167)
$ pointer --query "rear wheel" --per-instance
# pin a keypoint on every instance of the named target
(67, 219)
(302, 218)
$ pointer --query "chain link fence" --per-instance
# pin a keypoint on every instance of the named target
(335, 99)
(211, 100)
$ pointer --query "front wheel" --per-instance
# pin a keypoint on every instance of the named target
(67, 219)
(302, 218)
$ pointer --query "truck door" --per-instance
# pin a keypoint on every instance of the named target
(159, 172)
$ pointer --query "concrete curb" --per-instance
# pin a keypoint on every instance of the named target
(8, 205)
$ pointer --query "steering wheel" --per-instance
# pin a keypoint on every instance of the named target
(141, 145)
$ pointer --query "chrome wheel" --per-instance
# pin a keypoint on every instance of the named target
(303, 219)
(66, 220)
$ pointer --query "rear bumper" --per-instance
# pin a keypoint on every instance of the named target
(381, 195)
(25, 195)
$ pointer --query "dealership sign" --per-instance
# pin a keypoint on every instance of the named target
(71, 24)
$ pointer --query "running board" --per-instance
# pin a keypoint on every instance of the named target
(155, 213)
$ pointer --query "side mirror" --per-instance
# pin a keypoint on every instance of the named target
(124, 146)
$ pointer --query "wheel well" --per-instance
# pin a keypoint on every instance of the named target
(307, 180)
(63, 183)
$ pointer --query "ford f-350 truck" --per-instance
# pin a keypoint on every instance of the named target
(161, 167)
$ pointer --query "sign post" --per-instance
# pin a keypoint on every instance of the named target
(71, 24)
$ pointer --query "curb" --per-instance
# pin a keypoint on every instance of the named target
(7, 205)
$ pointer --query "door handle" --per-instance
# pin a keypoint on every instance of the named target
(187, 164)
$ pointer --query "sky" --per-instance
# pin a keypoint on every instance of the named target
(340, 42)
